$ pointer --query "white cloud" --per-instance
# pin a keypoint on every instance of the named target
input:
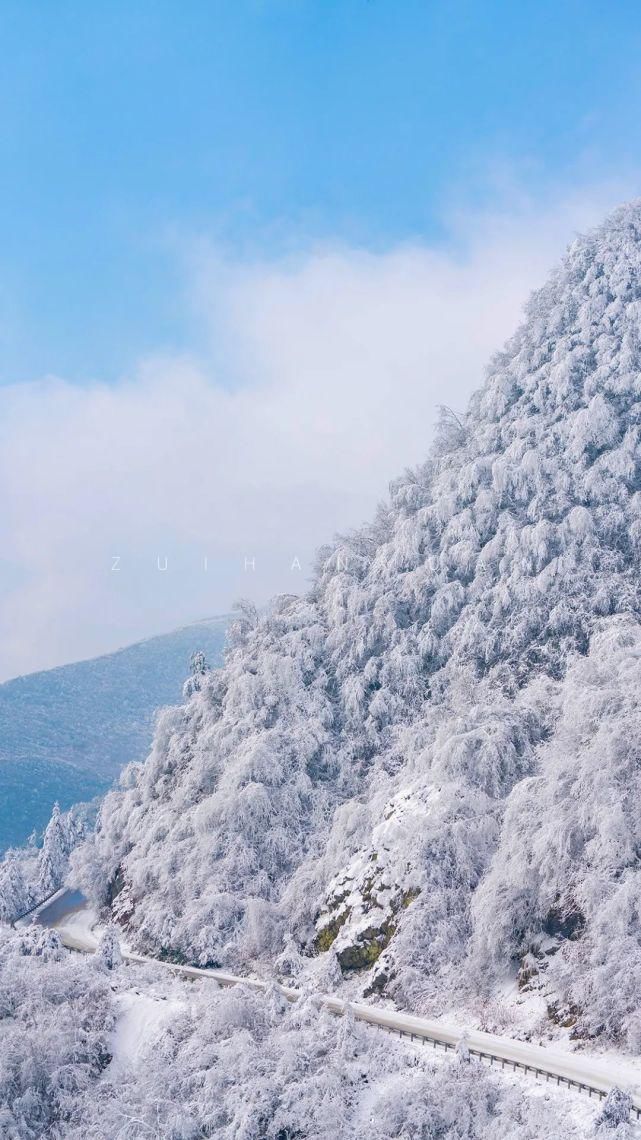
(321, 385)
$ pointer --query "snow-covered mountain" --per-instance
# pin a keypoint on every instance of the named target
(66, 733)
(425, 773)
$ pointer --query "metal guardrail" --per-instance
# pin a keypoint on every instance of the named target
(373, 1016)
(370, 1015)
(35, 907)
(507, 1063)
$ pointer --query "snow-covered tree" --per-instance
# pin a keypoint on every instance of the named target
(55, 1016)
(54, 853)
(227, 1063)
(108, 953)
(15, 897)
(615, 1111)
(198, 670)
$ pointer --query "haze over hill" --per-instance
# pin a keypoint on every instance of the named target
(66, 733)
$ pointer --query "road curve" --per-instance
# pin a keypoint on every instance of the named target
(570, 1070)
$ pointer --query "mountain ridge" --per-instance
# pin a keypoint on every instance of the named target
(344, 793)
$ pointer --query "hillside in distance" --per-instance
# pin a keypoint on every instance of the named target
(423, 776)
(66, 733)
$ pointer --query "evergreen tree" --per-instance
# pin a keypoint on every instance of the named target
(14, 895)
(615, 1111)
(109, 954)
(198, 670)
(54, 853)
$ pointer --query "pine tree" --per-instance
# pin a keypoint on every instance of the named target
(199, 669)
(616, 1109)
(49, 945)
(109, 954)
(14, 894)
(54, 854)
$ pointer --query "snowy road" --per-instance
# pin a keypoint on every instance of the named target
(74, 920)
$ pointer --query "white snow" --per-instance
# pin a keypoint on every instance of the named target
(141, 1020)
(79, 929)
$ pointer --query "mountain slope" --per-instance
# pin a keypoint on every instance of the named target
(66, 733)
(355, 781)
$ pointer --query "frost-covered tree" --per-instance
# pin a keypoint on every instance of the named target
(56, 1014)
(108, 953)
(237, 1064)
(567, 863)
(450, 430)
(48, 945)
(198, 669)
(227, 1063)
(15, 896)
(54, 853)
(29, 873)
(615, 1112)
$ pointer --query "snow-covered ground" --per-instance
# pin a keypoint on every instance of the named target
(141, 1020)
(79, 928)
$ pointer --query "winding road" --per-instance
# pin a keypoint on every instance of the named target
(69, 914)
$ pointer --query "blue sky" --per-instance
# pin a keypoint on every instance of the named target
(246, 250)
(126, 129)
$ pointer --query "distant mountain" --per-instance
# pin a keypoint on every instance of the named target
(66, 733)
